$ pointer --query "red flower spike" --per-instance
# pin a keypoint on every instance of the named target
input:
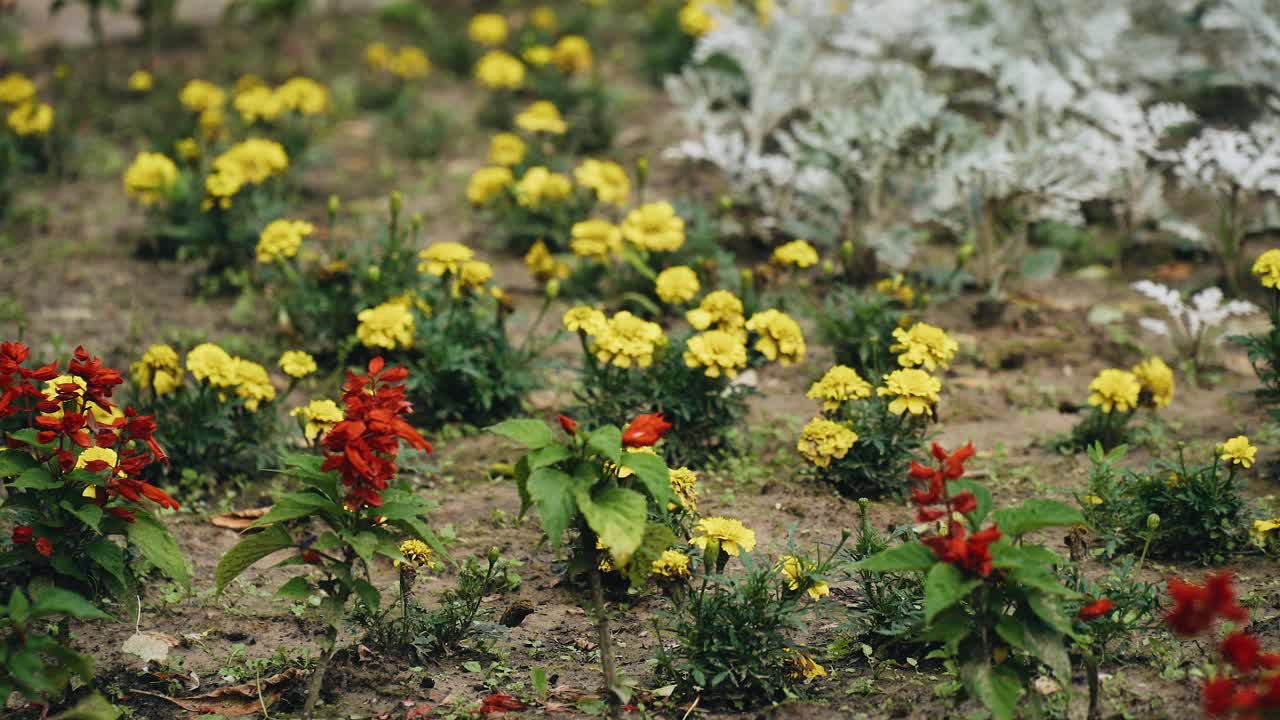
(1197, 607)
(1242, 650)
(1216, 694)
(1096, 609)
(645, 430)
(22, 534)
(568, 424)
(44, 547)
(964, 503)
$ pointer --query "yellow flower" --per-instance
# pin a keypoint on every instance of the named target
(606, 178)
(304, 96)
(500, 71)
(200, 95)
(255, 160)
(595, 239)
(897, 288)
(796, 570)
(33, 118)
(281, 239)
(796, 253)
(90, 454)
(779, 338)
(1261, 528)
(573, 54)
(627, 340)
(377, 55)
(1238, 451)
(488, 182)
(678, 284)
(542, 116)
(924, 345)
(444, 257)
(141, 81)
(823, 440)
(732, 536)
(488, 29)
(159, 370)
(258, 103)
(209, 363)
(16, 89)
(719, 308)
(417, 553)
(248, 82)
(1156, 379)
(297, 364)
(318, 416)
(585, 319)
(409, 63)
(506, 149)
(472, 275)
(718, 352)
(540, 186)
(544, 18)
(695, 20)
(542, 265)
(841, 384)
(150, 178)
(913, 391)
(1267, 268)
(654, 227)
(212, 123)
(538, 55)
(253, 384)
(684, 484)
(803, 666)
(223, 185)
(1092, 500)
(188, 149)
(389, 326)
(1116, 390)
(671, 564)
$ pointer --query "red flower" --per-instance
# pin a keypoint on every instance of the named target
(972, 554)
(500, 703)
(1216, 695)
(953, 463)
(1096, 609)
(44, 547)
(1242, 650)
(645, 430)
(123, 514)
(310, 557)
(22, 534)
(568, 424)
(1196, 607)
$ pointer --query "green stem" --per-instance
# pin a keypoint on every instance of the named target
(317, 676)
(604, 639)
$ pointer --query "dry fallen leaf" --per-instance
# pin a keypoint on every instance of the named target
(238, 519)
(150, 645)
(237, 700)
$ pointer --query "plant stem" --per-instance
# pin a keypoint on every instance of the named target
(605, 641)
(1091, 672)
(317, 677)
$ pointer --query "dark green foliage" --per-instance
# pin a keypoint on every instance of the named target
(666, 46)
(1264, 351)
(32, 662)
(877, 463)
(885, 606)
(858, 326)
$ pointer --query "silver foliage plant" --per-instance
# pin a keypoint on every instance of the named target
(1194, 327)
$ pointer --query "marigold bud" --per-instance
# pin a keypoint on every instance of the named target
(334, 204)
(553, 289)
(846, 250)
(396, 201)
(494, 554)
(1153, 521)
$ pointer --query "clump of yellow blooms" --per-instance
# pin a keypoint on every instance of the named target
(258, 103)
(1115, 390)
(280, 240)
(1238, 451)
(606, 178)
(318, 417)
(677, 285)
(32, 118)
(797, 253)
(542, 265)
(595, 239)
(671, 564)
(896, 287)
(924, 345)
(200, 95)
(106, 455)
(719, 308)
(389, 326)
(694, 18)
(303, 96)
(253, 383)
(840, 385)
(297, 363)
(684, 484)
(252, 162)
(1157, 382)
(1267, 268)
(538, 55)
(444, 257)
(16, 89)
(654, 227)
(472, 275)
(803, 666)
(488, 182)
(488, 29)
(542, 116)
(544, 18)
(377, 55)
(795, 569)
(140, 81)
(211, 364)
(823, 440)
(507, 149)
(627, 340)
(539, 187)
(912, 391)
(572, 54)
(500, 71)
(417, 554)
(409, 63)
(158, 370)
(732, 536)
(150, 178)
(585, 319)
(779, 337)
(718, 352)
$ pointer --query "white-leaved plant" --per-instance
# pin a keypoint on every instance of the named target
(1194, 327)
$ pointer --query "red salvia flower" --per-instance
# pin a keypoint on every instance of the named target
(1216, 695)
(1196, 607)
(44, 547)
(22, 535)
(645, 430)
(568, 424)
(1096, 609)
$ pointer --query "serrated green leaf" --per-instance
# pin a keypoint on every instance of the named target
(1036, 514)
(552, 493)
(549, 455)
(297, 588)
(944, 587)
(1041, 580)
(949, 628)
(607, 441)
(15, 462)
(109, 557)
(617, 516)
(94, 707)
(980, 493)
(36, 478)
(1005, 555)
(249, 551)
(912, 555)
(532, 434)
(998, 688)
(653, 474)
(57, 601)
(657, 538)
(294, 506)
(368, 595)
(157, 545)
(88, 513)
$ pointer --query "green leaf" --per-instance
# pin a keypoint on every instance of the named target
(653, 474)
(657, 538)
(944, 587)
(949, 628)
(56, 601)
(364, 543)
(298, 588)
(249, 551)
(1047, 608)
(294, 506)
(532, 434)
(94, 707)
(1041, 264)
(607, 441)
(538, 680)
(1005, 555)
(36, 478)
(552, 492)
(368, 594)
(157, 545)
(912, 555)
(109, 557)
(1048, 645)
(549, 455)
(88, 513)
(617, 515)
(998, 688)
(1041, 580)
(980, 493)
(1036, 514)
(15, 462)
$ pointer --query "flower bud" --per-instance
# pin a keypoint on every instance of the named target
(415, 222)
(964, 252)
(1153, 521)
(553, 289)
(374, 272)
(748, 279)
(846, 251)
(726, 203)
(396, 201)
(828, 268)
(334, 204)
(494, 553)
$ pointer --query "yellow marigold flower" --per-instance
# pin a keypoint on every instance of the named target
(897, 288)
(488, 29)
(90, 454)
(606, 178)
(1267, 268)
(297, 363)
(209, 363)
(1157, 382)
(444, 257)
(1238, 451)
(410, 63)
(627, 340)
(200, 95)
(719, 308)
(797, 253)
(678, 284)
(223, 184)
(281, 239)
(150, 178)
(924, 345)
(779, 338)
(538, 55)
(255, 160)
(140, 81)
(188, 149)
(684, 484)
(542, 116)
(542, 265)
(248, 82)
(913, 391)
(506, 149)
(595, 239)
(823, 440)
(717, 352)
(258, 103)
(573, 54)
(500, 71)
(212, 123)
(304, 96)
(585, 319)
(472, 275)
(540, 186)
(841, 384)
(671, 564)
(1262, 528)
(377, 55)
(1115, 390)
(16, 89)
(802, 666)
(417, 553)
(388, 326)
(732, 536)
(544, 18)
(795, 569)
(158, 370)
(488, 182)
(695, 20)
(318, 416)
(253, 384)
(654, 227)
(33, 118)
